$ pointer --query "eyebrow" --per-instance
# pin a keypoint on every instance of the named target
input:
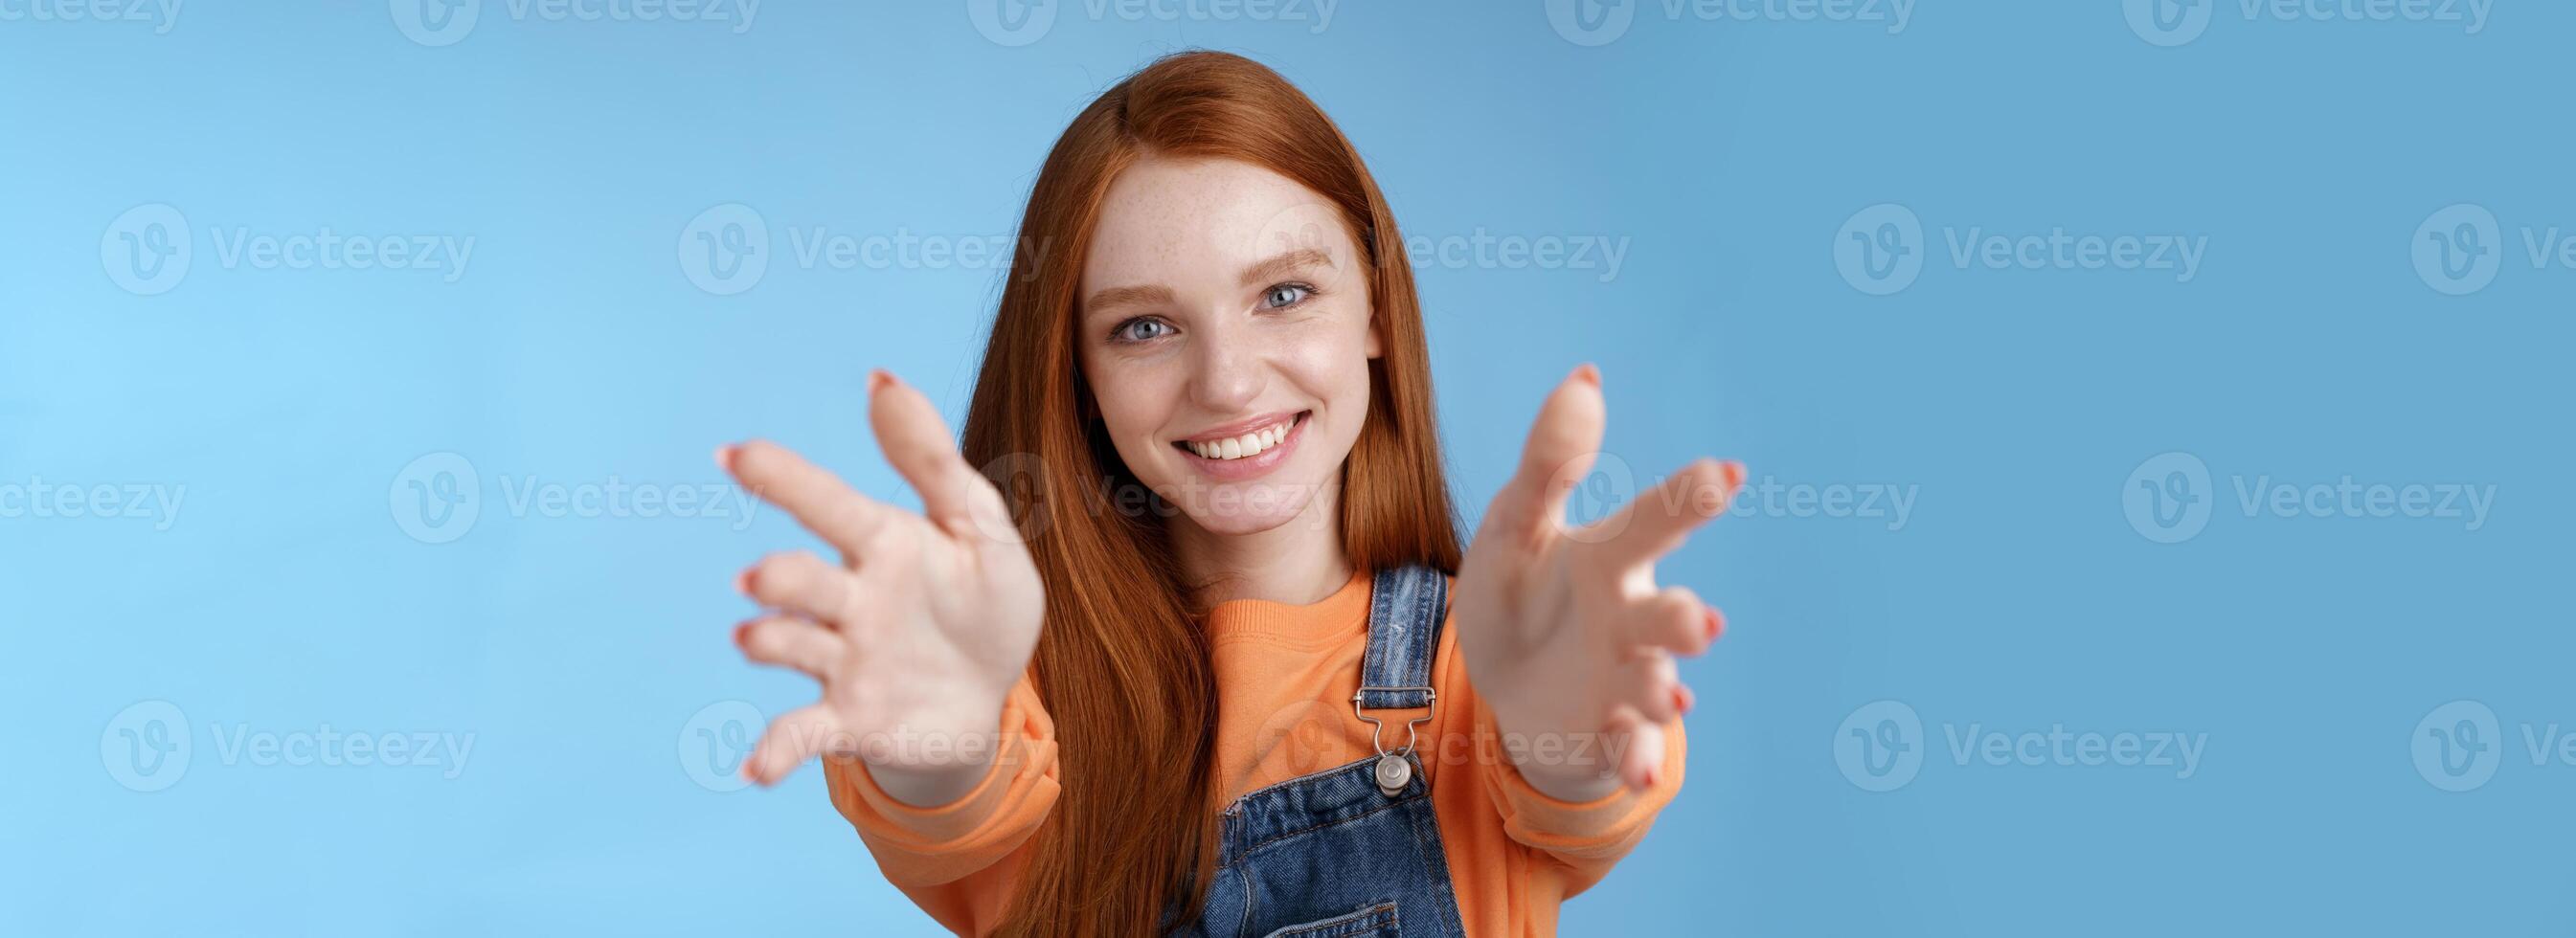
(1255, 275)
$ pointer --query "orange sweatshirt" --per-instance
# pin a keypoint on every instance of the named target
(1284, 677)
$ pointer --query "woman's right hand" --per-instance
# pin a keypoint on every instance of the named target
(919, 631)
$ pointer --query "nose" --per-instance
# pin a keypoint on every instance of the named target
(1228, 372)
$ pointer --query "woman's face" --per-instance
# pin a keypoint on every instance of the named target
(1224, 327)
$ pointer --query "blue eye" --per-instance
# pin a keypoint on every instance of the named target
(1286, 295)
(1140, 330)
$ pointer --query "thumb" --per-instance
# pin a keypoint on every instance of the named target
(1562, 443)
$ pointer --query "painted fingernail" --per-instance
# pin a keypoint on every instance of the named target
(1588, 374)
(724, 457)
(1683, 699)
(739, 631)
(742, 581)
(1716, 623)
(1733, 474)
(878, 379)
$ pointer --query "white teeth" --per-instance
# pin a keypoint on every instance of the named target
(1241, 447)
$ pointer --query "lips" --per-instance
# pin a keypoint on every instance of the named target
(1245, 448)
(1230, 444)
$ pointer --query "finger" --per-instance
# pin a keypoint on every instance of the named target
(794, 737)
(801, 583)
(1561, 446)
(819, 499)
(791, 642)
(1661, 518)
(1675, 620)
(1642, 765)
(1654, 688)
(917, 443)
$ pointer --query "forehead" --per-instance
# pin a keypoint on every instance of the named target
(1172, 221)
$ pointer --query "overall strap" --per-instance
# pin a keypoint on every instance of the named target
(1406, 607)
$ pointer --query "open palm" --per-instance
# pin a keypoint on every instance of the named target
(1564, 629)
(920, 629)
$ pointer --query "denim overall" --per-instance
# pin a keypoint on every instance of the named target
(1349, 851)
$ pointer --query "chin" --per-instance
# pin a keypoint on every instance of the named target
(1238, 509)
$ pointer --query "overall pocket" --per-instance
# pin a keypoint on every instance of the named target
(1375, 921)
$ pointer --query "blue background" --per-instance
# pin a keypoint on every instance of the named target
(287, 593)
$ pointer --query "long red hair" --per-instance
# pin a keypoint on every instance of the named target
(1122, 664)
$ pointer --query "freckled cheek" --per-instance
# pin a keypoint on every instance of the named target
(1330, 365)
(1135, 401)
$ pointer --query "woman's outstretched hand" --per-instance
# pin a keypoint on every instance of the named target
(917, 633)
(1566, 634)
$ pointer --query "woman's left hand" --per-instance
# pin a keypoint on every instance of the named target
(1567, 637)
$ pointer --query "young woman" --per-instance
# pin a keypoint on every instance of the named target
(1199, 670)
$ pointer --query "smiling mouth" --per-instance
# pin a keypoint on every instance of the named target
(1244, 445)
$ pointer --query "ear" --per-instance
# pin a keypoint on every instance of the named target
(1376, 336)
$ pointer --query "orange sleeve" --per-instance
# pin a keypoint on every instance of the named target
(959, 861)
(1585, 838)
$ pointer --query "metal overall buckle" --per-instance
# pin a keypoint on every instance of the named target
(1393, 771)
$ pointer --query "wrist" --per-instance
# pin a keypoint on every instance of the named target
(929, 768)
(1570, 765)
